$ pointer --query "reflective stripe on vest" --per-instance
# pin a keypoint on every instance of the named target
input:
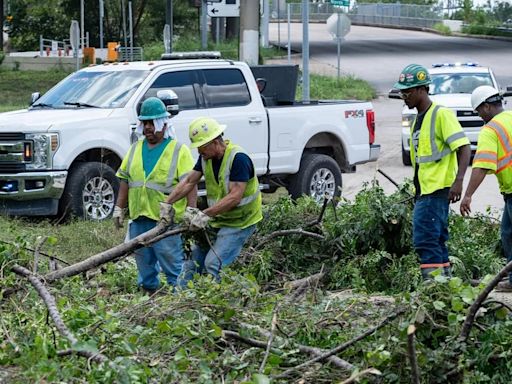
(167, 189)
(244, 201)
(506, 145)
(436, 154)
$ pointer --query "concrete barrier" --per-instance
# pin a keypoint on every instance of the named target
(24, 63)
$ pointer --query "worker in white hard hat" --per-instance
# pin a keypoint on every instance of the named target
(493, 155)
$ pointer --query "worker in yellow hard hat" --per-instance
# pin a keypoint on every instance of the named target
(233, 196)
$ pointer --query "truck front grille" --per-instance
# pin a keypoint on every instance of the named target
(471, 123)
(15, 152)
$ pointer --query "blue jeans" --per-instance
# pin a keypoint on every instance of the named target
(430, 233)
(506, 232)
(167, 254)
(227, 245)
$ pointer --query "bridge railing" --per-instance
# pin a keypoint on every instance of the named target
(372, 14)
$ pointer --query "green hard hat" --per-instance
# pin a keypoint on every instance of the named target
(203, 130)
(414, 75)
(153, 108)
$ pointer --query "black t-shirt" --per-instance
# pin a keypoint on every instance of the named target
(242, 169)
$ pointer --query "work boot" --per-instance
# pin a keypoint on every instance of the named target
(447, 271)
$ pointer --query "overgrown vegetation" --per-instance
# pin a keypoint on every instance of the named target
(200, 335)
(442, 29)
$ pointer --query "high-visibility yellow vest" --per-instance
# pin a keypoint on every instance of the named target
(440, 136)
(494, 149)
(248, 211)
(146, 192)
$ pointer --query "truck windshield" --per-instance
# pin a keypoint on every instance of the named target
(82, 89)
(446, 83)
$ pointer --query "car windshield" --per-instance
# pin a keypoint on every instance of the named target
(445, 83)
(85, 89)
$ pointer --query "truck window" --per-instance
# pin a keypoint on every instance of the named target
(225, 88)
(181, 82)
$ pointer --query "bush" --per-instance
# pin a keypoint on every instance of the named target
(442, 29)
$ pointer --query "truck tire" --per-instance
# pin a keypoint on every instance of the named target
(406, 156)
(318, 174)
(91, 191)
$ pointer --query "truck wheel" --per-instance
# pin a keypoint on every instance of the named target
(406, 156)
(318, 175)
(91, 191)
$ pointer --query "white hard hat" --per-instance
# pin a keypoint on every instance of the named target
(484, 93)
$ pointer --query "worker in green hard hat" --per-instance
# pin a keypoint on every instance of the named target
(149, 172)
(233, 196)
(440, 154)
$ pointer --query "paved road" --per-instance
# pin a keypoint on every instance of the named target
(377, 55)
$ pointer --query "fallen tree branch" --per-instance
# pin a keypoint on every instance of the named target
(358, 375)
(341, 347)
(411, 351)
(285, 232)
(270, 337)
(143, 240)
(249, 341)
(470, 317)
(306, 349)
(51, 305)
(306, 281)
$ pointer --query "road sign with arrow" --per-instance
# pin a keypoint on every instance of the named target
(224, 8)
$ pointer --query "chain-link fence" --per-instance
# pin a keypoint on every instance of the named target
(372, 14)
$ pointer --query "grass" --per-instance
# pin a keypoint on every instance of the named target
(330, 88)
(17, 86)
(72, 241)
(442, 29)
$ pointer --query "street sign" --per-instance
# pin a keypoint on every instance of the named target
(338, 25)
(341, 3)
(225, 8)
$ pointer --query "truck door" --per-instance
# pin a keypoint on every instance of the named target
(229, 101)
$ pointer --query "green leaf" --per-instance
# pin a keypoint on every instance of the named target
(420, 316)
(455, 283)
(502, 313)
(217, 331)
(457, 304)
(467, 295)
(258, 378)
(52, 240)
(439, 305)
(229, 314)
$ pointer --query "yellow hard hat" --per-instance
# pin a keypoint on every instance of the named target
(203, 130)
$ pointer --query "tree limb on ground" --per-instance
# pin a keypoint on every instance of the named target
(341, 347)
(470, 317)
(143, 240)
(306, 349)
(411, 350)
(50, 303)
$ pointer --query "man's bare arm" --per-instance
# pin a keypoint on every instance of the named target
(184, 187)
(230, 201)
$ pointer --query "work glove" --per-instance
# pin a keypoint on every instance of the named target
(166, 213)
(118, 216)
(199, 221)
(189, 215)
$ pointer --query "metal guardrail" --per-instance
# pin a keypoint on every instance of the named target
(130, 54)
(373, 14)
(51, 47)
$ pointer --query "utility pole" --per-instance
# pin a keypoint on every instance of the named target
(264, 23)
(305, 51)
(2, 16)
(168, 20)
(102, 14)
(204, 25)
(82, 39)
(124, 24)
(249, 31)
(131, 28)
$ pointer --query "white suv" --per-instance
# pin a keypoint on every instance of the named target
(452, 85)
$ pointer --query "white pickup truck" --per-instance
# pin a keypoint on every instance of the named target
(60, 155)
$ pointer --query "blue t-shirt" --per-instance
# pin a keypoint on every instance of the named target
(150, 156)
(242, 169)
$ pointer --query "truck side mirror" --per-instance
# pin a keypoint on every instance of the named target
(508, 92)
(34, 97)
(170, 99)
(261, 83)
(394, 94)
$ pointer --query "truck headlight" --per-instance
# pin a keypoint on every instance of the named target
(42, 150)
(407, 120)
